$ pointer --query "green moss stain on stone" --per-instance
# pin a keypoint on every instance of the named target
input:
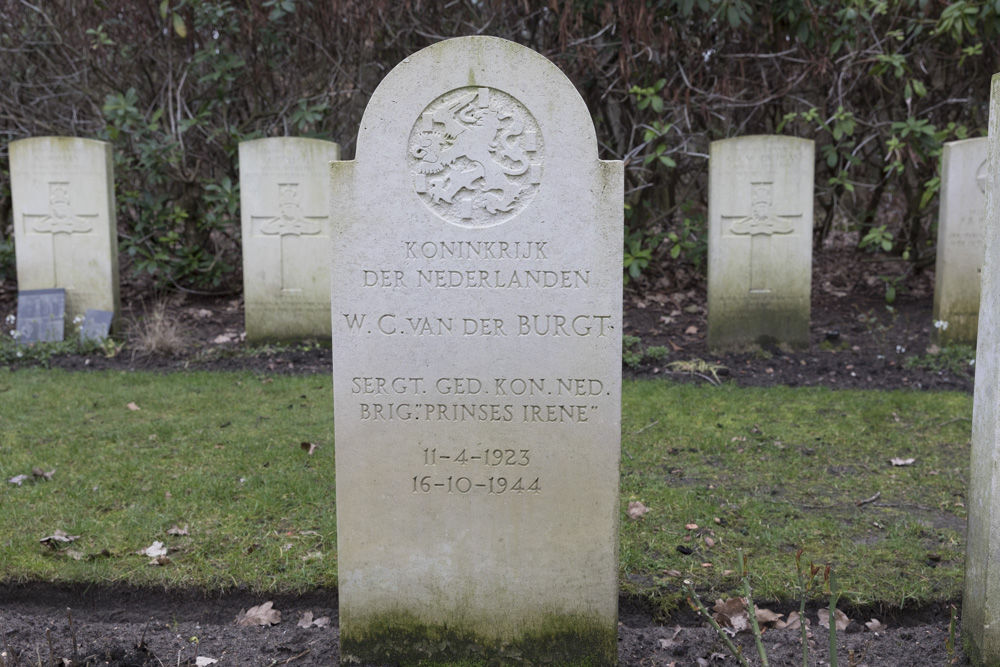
(746, 329)
(403, 639)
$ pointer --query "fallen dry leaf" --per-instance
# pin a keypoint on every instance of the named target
(309, 447)
(133, 406)
(840, 619)
(204, 661)
(672, 573)
(709, 542)
(767, 616)
(636, 510)
(691, 330)
(41, 474)
(307, 621)
(174, 530)
(259, 615)
(18, 479)
(160, 560)
(691, 526)
(58, 536)
(155, 550)
(875, 625)
(75, 554)
(731, 615)
(793, 622)
(902, 462)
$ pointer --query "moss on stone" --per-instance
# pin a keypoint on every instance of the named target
(403, 639)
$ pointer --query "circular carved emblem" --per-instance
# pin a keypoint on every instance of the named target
(476, 157)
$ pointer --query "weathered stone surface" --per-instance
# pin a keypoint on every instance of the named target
(960, 241)
(64, 220)
(285, 212)
(41, 316)
(477, 290)
(981, 598)
(96, 325)
(760, 216)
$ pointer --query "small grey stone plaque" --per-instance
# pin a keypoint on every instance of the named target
(96, 325)
(41, 315)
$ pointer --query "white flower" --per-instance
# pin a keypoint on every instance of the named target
(11, 319)
(78, 319)
(15, 334)
(941, 324)
(972, 362)
(900, 349)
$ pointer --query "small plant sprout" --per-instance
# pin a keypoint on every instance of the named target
(950, 643)
(744, 566)
(805, 583)
(699, 606)
(831, 589)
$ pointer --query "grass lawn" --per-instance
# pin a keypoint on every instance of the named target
(766, 470)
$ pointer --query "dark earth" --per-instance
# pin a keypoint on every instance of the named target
(856, 342)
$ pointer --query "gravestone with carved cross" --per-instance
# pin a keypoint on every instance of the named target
(960, 242)
(64, 220)
(286, 232)
(759, 242)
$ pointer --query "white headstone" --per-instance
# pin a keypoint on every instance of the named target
(285, 208)
(960, 241)
(64, 220)
(981, 598)
(477, 292)
(760, 220)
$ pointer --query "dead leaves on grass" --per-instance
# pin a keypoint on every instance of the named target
(175, 530)
(156, 552)
(57, 538)
(636, 510)
(264, 615)
(37, 474)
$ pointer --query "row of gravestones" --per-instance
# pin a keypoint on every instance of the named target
(67, 253)
(760, 241)
(477, 427)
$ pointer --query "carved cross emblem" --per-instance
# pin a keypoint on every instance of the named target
(61, 222)
(760, 225)
(289, 224)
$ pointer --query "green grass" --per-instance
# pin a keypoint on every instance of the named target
(766, 470)
(225, 447)
(775, 470)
